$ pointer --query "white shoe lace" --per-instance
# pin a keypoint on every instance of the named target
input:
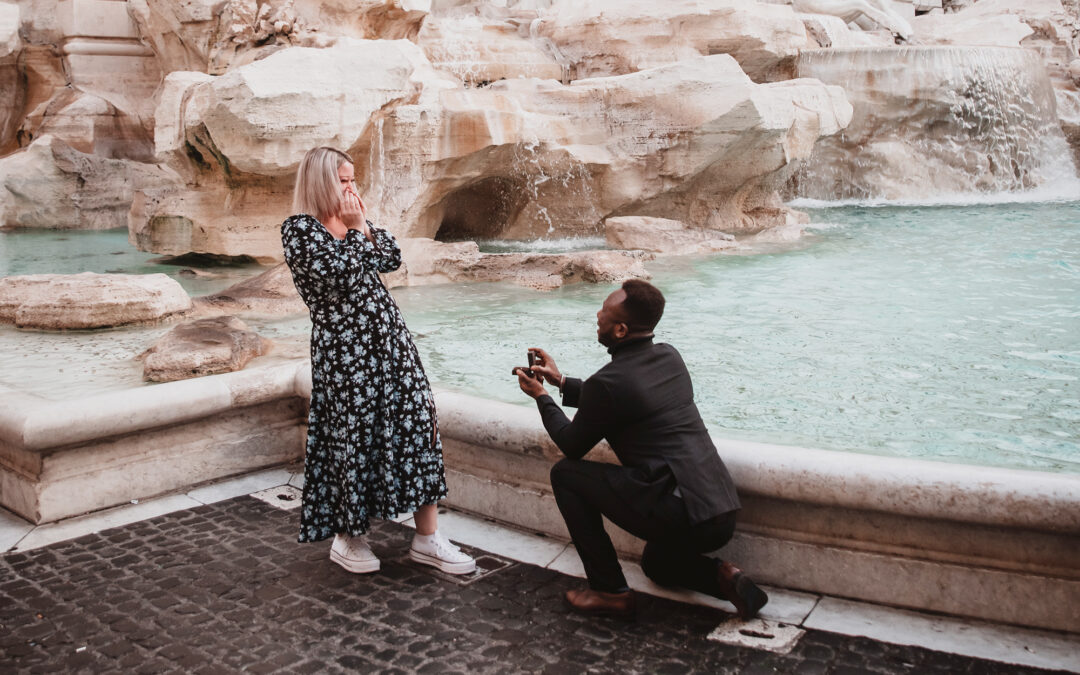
(445, 550)
(357, 548)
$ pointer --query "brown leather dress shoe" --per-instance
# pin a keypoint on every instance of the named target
(741, 591)
(621, 605)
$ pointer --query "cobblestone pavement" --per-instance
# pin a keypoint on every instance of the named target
(225, 587)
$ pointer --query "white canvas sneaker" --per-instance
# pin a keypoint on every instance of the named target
(437, 551)
(353, 554)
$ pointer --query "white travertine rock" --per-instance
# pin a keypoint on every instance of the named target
(867, 13)
(432, 262)
(9, 30)
(662, 235)
(614, 37)
(181, 34)
(1068, 109)
(270, 293)
(180, 104)
(89, 124)
(832, 31)
(1001, 30)
(52, 185)
(1074, 71)
(264, 116)
(479, 52)
(366, 19)
(208, 346)
(89, 300)
(11, 77)
(522, 158)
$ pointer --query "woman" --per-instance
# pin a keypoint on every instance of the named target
(373, 447)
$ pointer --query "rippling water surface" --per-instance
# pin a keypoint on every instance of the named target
(940, 332)
(948, 333)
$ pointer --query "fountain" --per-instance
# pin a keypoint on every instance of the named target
(939, 123)
(800, 365)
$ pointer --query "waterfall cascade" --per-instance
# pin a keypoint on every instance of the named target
(939, 124)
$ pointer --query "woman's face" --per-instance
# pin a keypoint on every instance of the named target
(346, 176)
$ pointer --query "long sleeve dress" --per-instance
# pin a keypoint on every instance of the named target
(373, 446)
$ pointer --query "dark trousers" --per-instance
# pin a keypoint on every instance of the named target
(673, 549)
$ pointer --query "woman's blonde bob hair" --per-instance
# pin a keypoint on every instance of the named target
(317, 192)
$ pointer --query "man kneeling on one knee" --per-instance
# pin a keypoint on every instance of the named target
(672, 489)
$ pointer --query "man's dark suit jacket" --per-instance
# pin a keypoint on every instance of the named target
(642, 402)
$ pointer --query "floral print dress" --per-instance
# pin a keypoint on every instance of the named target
(373, 447)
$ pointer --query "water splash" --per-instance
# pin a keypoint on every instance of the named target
(938, 125)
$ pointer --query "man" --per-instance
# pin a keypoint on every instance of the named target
(672, 489)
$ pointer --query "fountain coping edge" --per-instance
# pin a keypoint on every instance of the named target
(918, 488)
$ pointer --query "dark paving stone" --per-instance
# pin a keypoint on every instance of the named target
(225, 587)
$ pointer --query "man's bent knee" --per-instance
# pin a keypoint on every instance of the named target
(559, 471)
(658, 565)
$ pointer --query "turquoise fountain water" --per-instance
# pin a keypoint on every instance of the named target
(950, 333)
(947, 333)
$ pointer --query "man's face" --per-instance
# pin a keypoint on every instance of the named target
(611, 321)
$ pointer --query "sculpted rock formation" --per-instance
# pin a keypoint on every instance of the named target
(10, 45)
(479, 51)
(237, 140)
(89, 300)
(430, 261)
(879, 12)
(220, 344)
(662, 235)
(271, 293)
(52, 185)
(614, 37)
(520, 159)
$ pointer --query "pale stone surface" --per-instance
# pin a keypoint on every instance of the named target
(1001, 30)
(237, 487)
(180, 33)
(832, 31)
(271, 293)
(520, 159)
(13, 100)
(479, 52)
(90, 125)
(523, 158)
(9, 29)
(33, 76)
(62, 459)
(882, 13)
(429, 262)
(1037, 649)
(264, 116)
(368, 19)
(207, 346)
(89, 300)
(212, 36)
(662, 235)
(614, 37)
(52, 185)
(12, 530)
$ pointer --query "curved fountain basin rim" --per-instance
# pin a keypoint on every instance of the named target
(919, 488)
